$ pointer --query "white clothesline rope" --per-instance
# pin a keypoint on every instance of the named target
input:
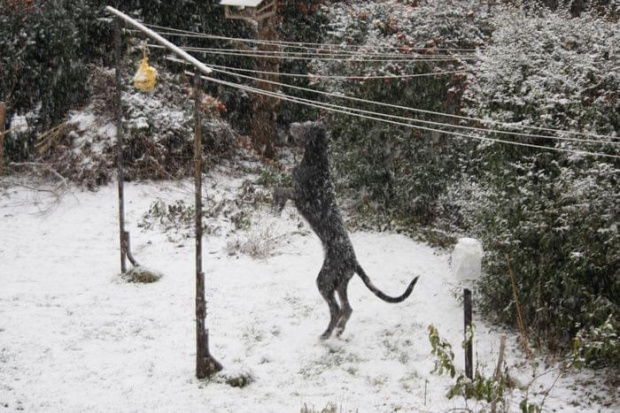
(352, 112)
(428, 122)
(361, 113)
(403, 53)
(327, 56)
(456, 126)
(487, 121)
(187, 33)
(360, 77)
(352, 59)
(345, 55)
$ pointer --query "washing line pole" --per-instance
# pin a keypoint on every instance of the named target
(156, 37)
(119, 144)
(206, 365)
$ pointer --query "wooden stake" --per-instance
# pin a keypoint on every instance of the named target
(119, 145)
(2, 120)
(206, 365)
(520, 323)
(468, 335)
(498, 371)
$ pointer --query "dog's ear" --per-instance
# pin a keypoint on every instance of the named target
(296, 132)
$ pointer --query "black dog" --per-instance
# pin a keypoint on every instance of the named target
(315, 198)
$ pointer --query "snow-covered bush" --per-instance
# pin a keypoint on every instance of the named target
(555, 214)
(399, 171)
(48, 50)
(40, 65)
(158, 132)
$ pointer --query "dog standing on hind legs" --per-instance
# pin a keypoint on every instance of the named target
(314, 196)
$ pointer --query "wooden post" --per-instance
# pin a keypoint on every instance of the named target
(206, 365)
(119, 145)
(265, 108)
(498, 372)
(520, 323)
(2, 120)
(468, 335)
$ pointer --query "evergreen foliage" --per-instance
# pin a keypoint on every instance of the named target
(40, 63)
(48, 49)
(399, 172)
(555, 214)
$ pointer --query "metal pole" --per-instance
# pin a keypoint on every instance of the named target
(468, 335)
(119, 145)
(2, 120)
(206, 365)
(198, 171)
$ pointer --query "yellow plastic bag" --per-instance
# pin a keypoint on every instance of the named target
(146, 76)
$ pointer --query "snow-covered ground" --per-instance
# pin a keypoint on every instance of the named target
(75, 337)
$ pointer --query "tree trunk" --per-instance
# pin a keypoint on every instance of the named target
(265, 108)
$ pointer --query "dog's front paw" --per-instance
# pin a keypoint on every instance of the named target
(280, 196)
(275, 211)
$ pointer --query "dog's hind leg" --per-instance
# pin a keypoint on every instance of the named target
(325, 282)
(346, 310)
(280, 196)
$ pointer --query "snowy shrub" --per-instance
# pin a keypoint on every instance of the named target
(158, 132)
(555, 214)
(398, 171)
(48, 49)
(259, 242)
(169, 217)
(479, 387)
(598, 345)
(141, 275)
(236, 377)
(442, 350)
(40, 64)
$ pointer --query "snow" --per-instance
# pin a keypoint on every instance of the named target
(91, 132)
(75, 337)
(467, 260)
(19, 123)
(241, 3)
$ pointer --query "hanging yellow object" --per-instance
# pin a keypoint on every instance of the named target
(146, 76)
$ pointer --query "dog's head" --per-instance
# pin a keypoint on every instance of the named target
(312, 136)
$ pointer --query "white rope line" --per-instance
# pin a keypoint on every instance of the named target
(180, 32)
(409, 53)
(428, 122)
(269, 55)
(487, 121)
(343, 55)
(348, 112)
(448, 115)
(361, 77)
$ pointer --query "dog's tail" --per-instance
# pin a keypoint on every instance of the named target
(360, 271)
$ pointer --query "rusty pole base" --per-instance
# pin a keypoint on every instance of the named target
(207, 365)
